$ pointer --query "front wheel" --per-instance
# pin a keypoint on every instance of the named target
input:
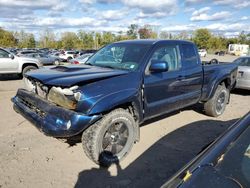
(217, 104)
(110, 139)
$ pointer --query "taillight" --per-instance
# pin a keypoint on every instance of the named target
(75, 62)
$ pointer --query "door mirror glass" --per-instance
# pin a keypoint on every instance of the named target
(158, 66)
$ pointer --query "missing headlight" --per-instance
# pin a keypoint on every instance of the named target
(29, 85)
(64, 97)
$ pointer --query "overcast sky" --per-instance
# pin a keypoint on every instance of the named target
(226, 16)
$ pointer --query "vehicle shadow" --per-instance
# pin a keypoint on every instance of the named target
(72, 141)
(243, 92)
(7, 77)
(158, 163)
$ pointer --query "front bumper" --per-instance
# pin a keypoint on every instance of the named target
(51, 119)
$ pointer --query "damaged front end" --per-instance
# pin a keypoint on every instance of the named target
(50, 109)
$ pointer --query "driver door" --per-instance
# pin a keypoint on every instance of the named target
(163, 90)
(7, 64)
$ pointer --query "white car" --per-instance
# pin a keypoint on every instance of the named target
(202, 52)
(12, 64)
(67, 55)
(81, 59)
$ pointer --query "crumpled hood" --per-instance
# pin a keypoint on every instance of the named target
(70, 75)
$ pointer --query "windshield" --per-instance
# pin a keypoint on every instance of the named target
(119, 56)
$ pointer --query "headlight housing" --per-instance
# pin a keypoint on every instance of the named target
(66, 98)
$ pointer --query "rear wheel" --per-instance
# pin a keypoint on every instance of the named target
(217, 104)
(110, 139)
(28, 68)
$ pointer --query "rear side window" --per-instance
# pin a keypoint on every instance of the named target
(189, 56)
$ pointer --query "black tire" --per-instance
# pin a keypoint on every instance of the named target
(28, 68)
(217, 104)
(214, 61)
(114, 132)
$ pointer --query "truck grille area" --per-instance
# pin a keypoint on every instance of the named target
(32, 107)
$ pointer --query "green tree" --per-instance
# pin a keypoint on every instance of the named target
(69, 40)
(86, 40)
(47, 39)
(132, 31)
(201, 38)
(7, 38)
(25, 40)
(242, 39)
(215, 43)
(107, 38)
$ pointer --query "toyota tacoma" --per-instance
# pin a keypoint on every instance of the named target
(119, 87)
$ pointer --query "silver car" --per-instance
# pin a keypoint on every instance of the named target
(243, 77)
(45, 59)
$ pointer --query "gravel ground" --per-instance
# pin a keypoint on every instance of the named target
(30, 159)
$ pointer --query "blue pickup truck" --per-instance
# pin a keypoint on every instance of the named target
(121, 86)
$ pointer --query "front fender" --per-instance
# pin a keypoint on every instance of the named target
(115, 99)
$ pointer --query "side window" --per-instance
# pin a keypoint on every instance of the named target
(170, 54)
(3, 54)
(189, 56)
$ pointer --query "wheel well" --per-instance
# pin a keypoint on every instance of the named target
(226, 82)
(131, 108)
(29, 64)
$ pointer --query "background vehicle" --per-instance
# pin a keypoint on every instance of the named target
(225, 163)
(119, 87)
(220, 53)
(67, 55)
(10, 63)
(26, 52)
(202, 52)
(82, 52)
(243, 77)
(46, 59)
(81, 59)
(238, 49)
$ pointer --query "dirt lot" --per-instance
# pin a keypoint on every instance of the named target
(31, 159)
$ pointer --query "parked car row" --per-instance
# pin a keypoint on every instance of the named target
(50, 56)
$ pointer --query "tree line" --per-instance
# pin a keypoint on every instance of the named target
(81, 39)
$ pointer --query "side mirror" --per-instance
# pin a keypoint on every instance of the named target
(11, 56)
(158, 66)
